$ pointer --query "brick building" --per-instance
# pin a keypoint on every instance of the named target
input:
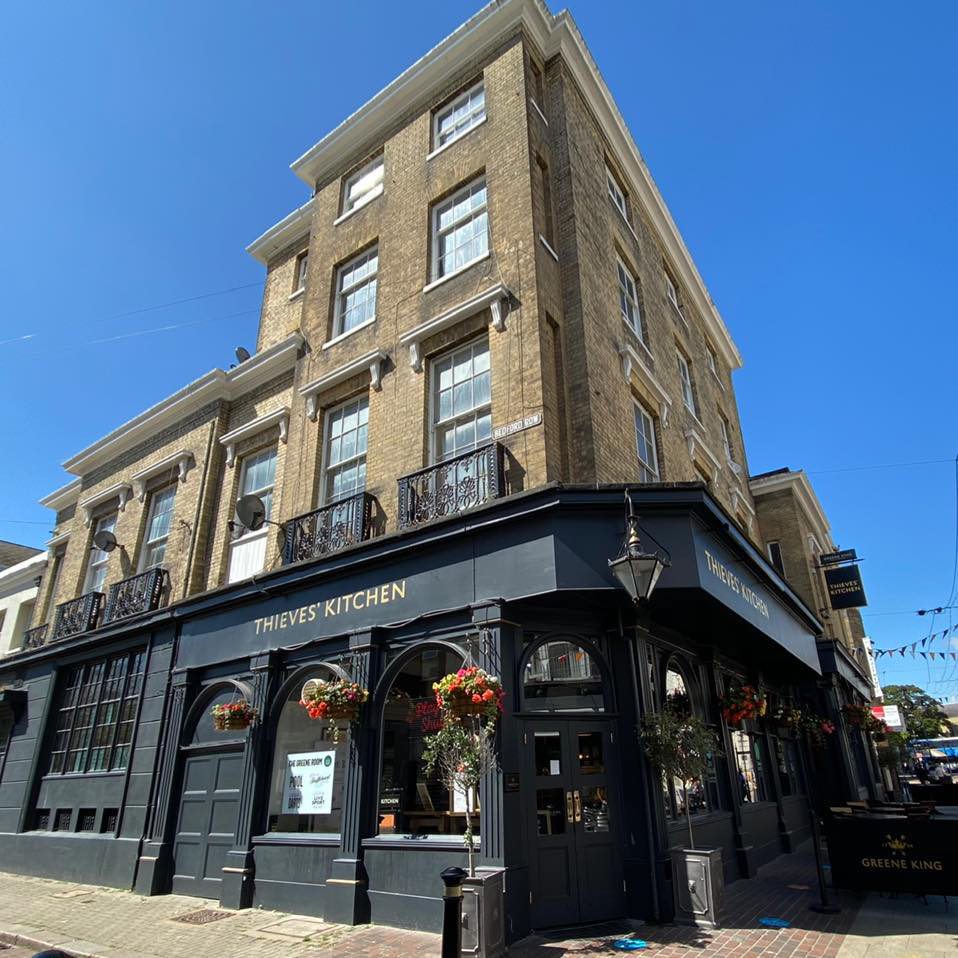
(480, 329)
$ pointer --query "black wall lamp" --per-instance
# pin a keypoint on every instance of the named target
(636, 570)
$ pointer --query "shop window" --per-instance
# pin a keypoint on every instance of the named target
(562, 676)
(786, 756)
(701, 795)
(750, 766)
(95, 715)
(309, 768)
(411, 802)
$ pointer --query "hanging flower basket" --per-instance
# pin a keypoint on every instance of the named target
(233, 716)
(861, 716)
(787, 717)
(743, 702)
(817, 729)
(334, 701)
(469, 692)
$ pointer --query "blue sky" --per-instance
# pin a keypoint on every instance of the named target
(807, 152)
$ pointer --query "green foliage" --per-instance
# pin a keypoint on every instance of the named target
(922, 714)
(678, 745)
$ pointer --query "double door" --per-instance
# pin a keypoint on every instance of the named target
(575, 855)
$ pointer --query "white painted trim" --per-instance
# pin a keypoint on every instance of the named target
(456, 139)
(715, 376)
(459, 269)
(297, 294)
(492, 297)
(292, 227)
(58, 540)
(119, 490)
(553, 35)
(797, 482)
(278, 417)
(348, 333)
(365, 201)
(737, 495)
(15, 578)
(65, 496)
(632, 362)
(542, 115)
(372, 361)
(182, 460)
(695, 442)
(552, 252)
(215, 385)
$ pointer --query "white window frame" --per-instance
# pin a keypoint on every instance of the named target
(726, 439)
(375, 169)
(98, 559)
(326, 498)
(436, 424)
(685, 381)
(470, 120)
(633, 298)
(149, 544)
(342, 292)
(672, 292)
(251, 535)
(710, 358)
(437, 234)
(302, 264)
(616, 192)
(643, 417)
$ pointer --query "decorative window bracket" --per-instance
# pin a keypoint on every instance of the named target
(632, 363)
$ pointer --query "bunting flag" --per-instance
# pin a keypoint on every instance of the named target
(924, 655)
(932, 654)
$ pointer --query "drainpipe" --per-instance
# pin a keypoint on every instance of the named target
(649, 834)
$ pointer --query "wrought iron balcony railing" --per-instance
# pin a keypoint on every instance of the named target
(77, 615)
(35, 637)
(451, 486)
(139, 593)
(328, 529)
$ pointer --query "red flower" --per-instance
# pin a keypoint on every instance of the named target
(476, 699)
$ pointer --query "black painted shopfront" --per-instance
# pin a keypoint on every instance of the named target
(521, 587)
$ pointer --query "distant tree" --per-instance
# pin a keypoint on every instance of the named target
(921, 713)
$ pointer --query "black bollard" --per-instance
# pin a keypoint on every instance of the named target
(452, 879)
(824, 906)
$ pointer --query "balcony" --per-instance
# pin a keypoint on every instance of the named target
(139, 593)
(329, 529)
(451, 486)
(77, 615)
(34, 638)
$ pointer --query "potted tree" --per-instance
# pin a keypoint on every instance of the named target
(679, 745)
(462, 751)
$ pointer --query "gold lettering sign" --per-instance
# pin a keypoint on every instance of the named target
(348, 602)
(748, 595)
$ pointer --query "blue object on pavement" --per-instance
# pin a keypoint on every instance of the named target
(629, 944)
(774, 922)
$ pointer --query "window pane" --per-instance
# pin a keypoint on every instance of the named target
(410, 801)
(562, 676)
(548, 749)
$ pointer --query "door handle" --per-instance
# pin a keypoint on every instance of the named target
(578, 805)
(570, 818)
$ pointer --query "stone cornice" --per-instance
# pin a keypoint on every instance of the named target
(287, 231)
(59, 499)
(797, 483)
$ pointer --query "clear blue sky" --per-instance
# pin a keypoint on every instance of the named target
(807, 152)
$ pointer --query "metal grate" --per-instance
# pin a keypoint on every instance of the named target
(202, 917)
(108, 822)
(61, 822)
(41, 821)
(86, 820)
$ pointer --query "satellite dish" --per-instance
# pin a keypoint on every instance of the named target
(251, 511)
(105, 541)
(242, 354)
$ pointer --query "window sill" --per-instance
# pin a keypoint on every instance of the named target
(61, 776)
(364, 202)
(325, 839)
(442, 279)
(695, 418)
(552, 252)
(715, 376)
(438, 842)
(639, 340)
(297, 294)
(455, 139)
(536, 107)
(678, 312)
(346, 335)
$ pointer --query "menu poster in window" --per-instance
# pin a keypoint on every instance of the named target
(308, 789)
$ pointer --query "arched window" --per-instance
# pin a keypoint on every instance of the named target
(562, 676)
(204, 733)
(410, 801)
(702, 796)
(309, 768)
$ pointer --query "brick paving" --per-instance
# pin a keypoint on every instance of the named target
(107, 923)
